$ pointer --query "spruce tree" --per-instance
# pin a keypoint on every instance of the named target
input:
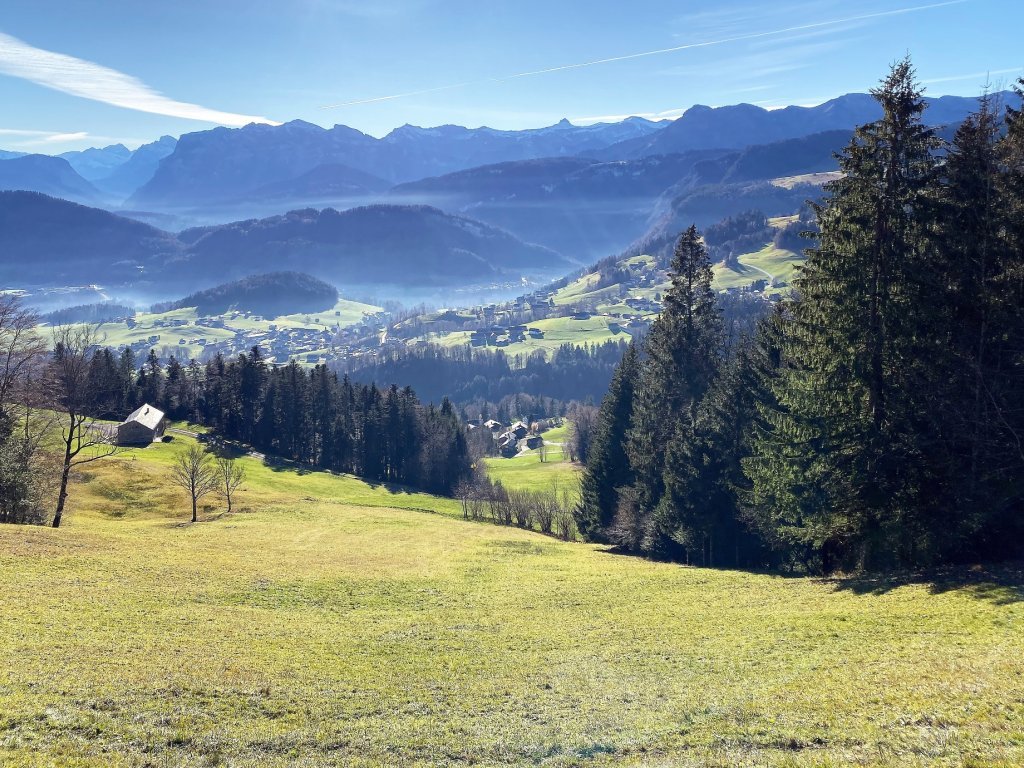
(842, 464)
(607, 468)
(704, 478)
(971, 392)
(681, 357)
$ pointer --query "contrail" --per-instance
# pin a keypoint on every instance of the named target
(658, 52)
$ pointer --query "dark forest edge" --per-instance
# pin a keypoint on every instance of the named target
(874, 420)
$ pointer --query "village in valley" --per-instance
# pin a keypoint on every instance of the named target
(593, 307)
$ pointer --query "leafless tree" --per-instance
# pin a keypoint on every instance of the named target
(84, 440)
(230, 476)
(23, 479)
(542, 452)
(193, 471)
(22, 348)
(464, 492)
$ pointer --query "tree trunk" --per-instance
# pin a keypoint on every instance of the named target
(62, 496)
(64, 476)
(195, 516)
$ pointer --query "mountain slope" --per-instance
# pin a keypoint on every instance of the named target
(376, 244)
(48, 241)
(123, 180)
(97, 163)
(742, 125)
(325, 182)
(45, 241)
(580, 207)
(52, 176)
(224, 165)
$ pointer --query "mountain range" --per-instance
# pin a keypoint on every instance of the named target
(446, 205)
(46, 241)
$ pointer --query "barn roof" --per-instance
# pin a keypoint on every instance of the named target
(147, 416)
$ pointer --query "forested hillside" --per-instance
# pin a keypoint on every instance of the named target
(874, 419)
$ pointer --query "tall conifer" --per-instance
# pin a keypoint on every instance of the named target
(842, 465)
(608, 467)
(682, 355)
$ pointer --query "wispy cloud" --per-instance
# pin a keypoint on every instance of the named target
(658, 52)
(88, 80)
(64, 138)
(28, 138)
(972, 75)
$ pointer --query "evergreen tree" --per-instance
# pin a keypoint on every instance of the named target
(682, 355)
(150, 381)
(842, 465)
(971, 392)
(607, 468)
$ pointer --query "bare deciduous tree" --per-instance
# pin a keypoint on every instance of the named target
(193, 471)
(84, 440)
(25, 480)
(21, 348)
(230, 476)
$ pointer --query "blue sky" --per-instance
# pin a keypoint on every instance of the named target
(78, 73)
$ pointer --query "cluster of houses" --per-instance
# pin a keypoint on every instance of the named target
(642, 305)
(510, 439)
(500, 335)
(760, 286)
(282, 343)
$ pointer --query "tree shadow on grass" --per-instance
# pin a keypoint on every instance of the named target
(998, 584)
(277, 464)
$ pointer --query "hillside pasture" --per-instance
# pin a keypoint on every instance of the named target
(595, 329)
(778, 264)
(329, 622)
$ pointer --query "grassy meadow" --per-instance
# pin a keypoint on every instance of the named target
(557, 331)
(328, 622)
(526, 472)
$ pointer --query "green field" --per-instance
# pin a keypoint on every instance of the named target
(770, 261)
(557, 331)
(331, 623)
(343, 314)
(526, 472)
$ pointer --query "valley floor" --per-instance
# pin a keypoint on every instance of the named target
(328, 622)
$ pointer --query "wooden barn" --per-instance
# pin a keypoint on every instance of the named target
(142, 427)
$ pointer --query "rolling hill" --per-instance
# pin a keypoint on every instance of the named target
(374, 244)
(349, 624)
(48, 241)
(269, 295)
(52, 176)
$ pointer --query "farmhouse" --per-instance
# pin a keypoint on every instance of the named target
(531, 441)
(142, 427)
